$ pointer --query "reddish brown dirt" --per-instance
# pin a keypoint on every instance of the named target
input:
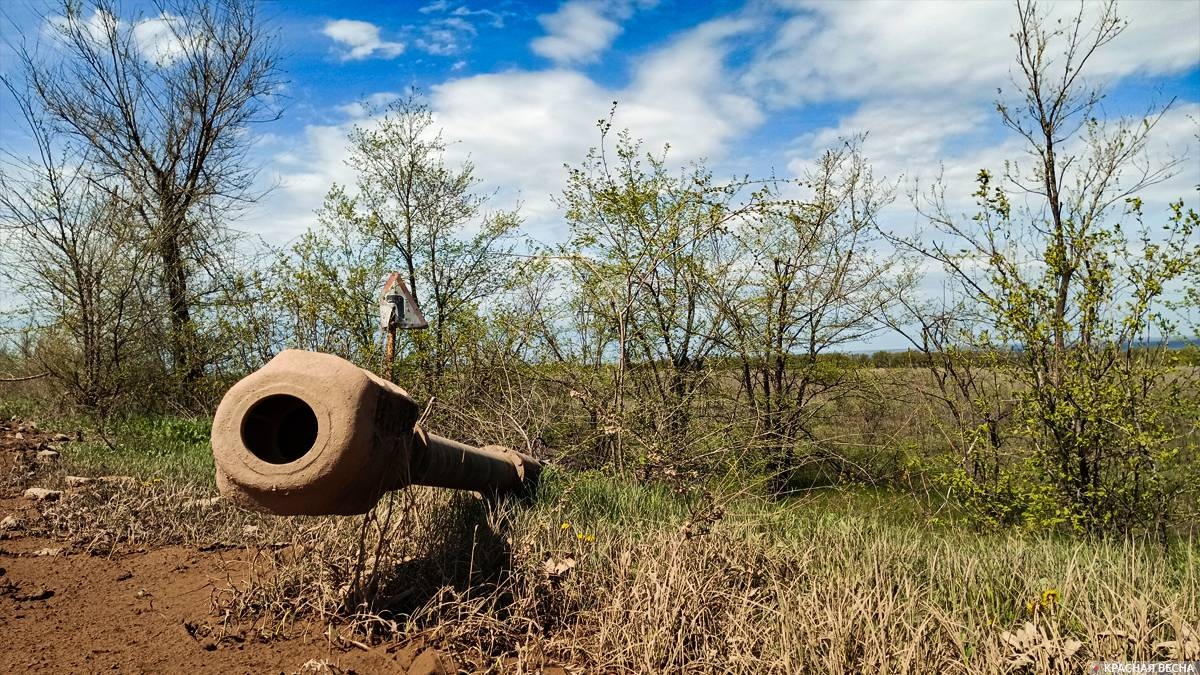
(152, 612)
(148, 611)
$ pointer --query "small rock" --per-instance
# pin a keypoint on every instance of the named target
(60, 438)
(47, 455)
(39, 594)
(76, 481)
(10, 523)
(43, 494)
(125, 576)
(250, 530)
(19, 436)
(202, 503)
(47, 551)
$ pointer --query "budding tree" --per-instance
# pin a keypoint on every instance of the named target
(1068, 281)
(432, 222)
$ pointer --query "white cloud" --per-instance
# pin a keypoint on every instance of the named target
(681, 94)
(856, 49)
(364, 107)
(362, 38)
(879, 48)
(903, 138)
(1176, 138)
(165, 39)
(161, 40)
(301, 175)
(436, 6)
(924, 75)
(914, 146)
(446, 37)
(577, 33)
(97, 27)
(452, 27)
(521, 127)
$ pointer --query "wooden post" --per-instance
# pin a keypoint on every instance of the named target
(389, 355)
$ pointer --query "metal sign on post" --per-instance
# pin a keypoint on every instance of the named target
(398, 310)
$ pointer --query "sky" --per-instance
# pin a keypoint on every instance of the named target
(748, 86)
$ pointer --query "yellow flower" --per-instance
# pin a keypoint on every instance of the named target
(564, 526)
(1050, 597)
(589, 538)
(579, 536)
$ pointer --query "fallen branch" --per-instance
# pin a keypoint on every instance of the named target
(24, 378)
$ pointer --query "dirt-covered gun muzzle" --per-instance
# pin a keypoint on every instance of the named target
(312, 434)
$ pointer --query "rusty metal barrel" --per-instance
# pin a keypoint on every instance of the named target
(313, 434)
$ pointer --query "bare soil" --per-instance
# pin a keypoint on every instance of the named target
(149, 610)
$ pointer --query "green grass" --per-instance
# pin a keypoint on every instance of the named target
(143, 446)
(146, 447)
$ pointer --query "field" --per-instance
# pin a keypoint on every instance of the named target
(140, 568)
(647, 262)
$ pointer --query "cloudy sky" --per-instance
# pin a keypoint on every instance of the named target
(750, 86)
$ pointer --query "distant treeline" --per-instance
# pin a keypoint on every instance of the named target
(1180, 353)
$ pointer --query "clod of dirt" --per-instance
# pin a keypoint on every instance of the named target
(76, 481)
(47, 551)
(43, 494)
(36, 594)
(60, 438)
(202, 503)
(10, 523)
(47, 456)
(432, 662)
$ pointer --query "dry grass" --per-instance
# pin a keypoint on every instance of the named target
(613, 577)
(795, 592)
(625, 588)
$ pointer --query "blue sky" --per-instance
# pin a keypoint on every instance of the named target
(750, 86)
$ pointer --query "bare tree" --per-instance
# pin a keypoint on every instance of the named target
(162, 104)
(806, 281)
(73, 254)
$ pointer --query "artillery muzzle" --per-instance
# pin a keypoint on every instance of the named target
(313, 434)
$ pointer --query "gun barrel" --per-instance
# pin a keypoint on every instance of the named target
(313, 434)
